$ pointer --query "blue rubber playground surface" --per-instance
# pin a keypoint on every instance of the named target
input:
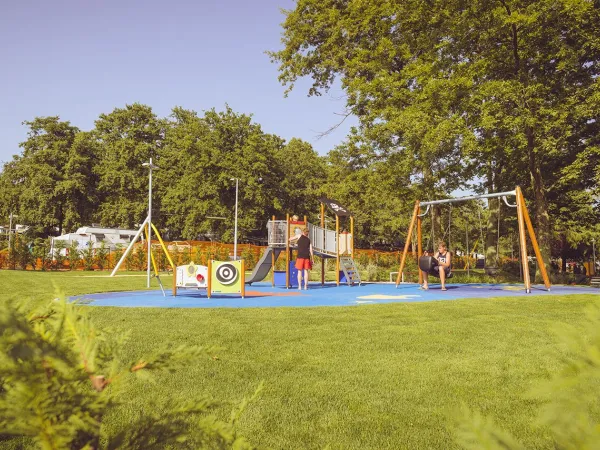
(263, 295)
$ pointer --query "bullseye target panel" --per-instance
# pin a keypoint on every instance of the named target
(226, 277)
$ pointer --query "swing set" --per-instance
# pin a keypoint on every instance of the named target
(523, 219)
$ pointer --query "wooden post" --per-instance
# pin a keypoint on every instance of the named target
(534, 242)
(287, 251)
(352, 236)
(322, 258)
(273, 255)
(405, 252)
(243, 276)
(419, 243)
(209, 278)
(522, 241)
(337, 249)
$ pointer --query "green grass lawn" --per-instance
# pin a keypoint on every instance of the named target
(369, 376)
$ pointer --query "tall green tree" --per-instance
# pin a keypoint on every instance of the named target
(198, 160)
(303, 178)
(80, 182)
(127, 137)
(35, 179)
(496, 84)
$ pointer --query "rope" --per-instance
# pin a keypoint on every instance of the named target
(449, 227)
(498, 237)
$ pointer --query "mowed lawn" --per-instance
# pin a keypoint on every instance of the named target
(368, 376)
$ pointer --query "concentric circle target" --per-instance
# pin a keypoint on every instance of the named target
(227, 274)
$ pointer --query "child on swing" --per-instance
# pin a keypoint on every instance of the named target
(444, 258)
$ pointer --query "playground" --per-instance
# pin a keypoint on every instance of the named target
(263, 295)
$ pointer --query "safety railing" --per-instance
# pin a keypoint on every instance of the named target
(323, 240)
(277, 233)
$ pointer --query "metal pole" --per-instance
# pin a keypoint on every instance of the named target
(235, 224)
(10, 232)
(419, 245)
(323, 224)
(150, 166)
(129, 247)
(468, 254)
(471, 197)
(149, 222)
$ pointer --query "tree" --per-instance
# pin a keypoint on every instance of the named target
(80, 181)
(35, 178)
(496, 84)
(127, 138)
(375, 190)
(303, 179)
(199, 157)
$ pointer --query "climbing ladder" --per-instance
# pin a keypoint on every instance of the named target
(350, 270)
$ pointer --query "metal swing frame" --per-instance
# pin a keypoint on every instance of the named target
(525, 227)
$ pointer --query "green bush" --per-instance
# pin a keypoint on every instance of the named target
(101, 256)
(60, 376)
(74, 256)
(248, 256)
(139, 258)
(118, 254)
(23, 252)
(88, 257)
(58, 259)
(41, 253)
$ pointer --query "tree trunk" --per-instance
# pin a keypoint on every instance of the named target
(540, 212)
(563, 254)
(60, 219)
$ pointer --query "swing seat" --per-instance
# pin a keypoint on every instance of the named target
(429, 263)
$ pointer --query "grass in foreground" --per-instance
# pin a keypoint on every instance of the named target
(373, 376)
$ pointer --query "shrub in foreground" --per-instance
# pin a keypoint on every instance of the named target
(60, 375)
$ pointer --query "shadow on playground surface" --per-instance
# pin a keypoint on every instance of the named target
(263, 295)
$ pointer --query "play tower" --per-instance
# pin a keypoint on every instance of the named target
(327, 244)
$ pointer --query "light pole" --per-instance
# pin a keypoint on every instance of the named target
(151, 167)
(10, 230)
(235, 223)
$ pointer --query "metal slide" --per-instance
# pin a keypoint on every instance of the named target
(262, 268)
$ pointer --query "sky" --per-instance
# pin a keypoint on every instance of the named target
(80, 58)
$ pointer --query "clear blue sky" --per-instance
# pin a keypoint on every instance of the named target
(78, 59)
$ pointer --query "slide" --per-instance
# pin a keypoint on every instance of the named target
(262, 268)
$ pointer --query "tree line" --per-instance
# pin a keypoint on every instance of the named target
(65, 178)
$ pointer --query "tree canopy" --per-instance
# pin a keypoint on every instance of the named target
(495, 94)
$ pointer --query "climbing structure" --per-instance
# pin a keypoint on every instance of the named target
(327, 243)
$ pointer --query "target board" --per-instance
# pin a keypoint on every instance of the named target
(227, 277)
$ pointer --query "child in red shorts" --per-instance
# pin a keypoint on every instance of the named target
(305, 257)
